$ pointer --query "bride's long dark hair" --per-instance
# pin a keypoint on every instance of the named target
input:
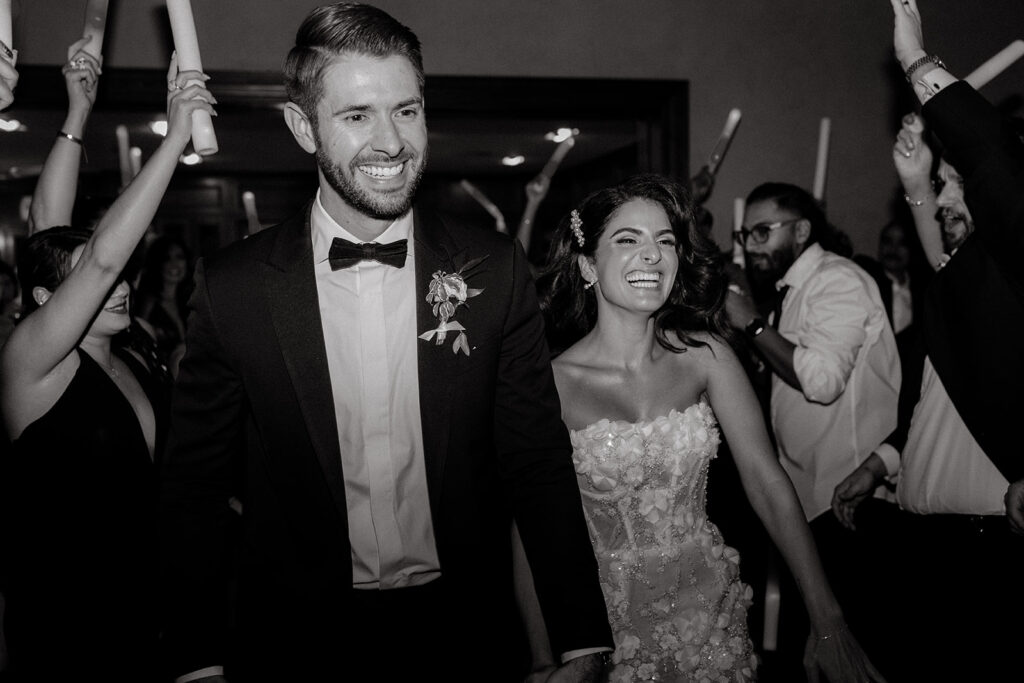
(696, 300)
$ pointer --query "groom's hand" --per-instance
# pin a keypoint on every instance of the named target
(586, 669)
(1015, 506)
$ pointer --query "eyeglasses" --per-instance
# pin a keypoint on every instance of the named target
(760, 232)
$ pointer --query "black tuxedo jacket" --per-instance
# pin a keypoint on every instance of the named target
(973, 323)
(254, 396)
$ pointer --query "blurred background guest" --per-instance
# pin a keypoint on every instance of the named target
(161, 300)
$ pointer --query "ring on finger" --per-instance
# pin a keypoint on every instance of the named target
(172, 86)
(77, 63)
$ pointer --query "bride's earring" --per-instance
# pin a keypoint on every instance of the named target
(588, 285)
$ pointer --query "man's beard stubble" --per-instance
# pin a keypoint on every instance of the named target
(388, 207)
(762, 278)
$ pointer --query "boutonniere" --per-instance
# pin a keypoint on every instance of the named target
(447, 292)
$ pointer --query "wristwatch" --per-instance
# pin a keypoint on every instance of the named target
(755, 327)
(927, 59)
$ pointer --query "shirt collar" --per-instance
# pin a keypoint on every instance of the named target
(325, 229)
(802, 268)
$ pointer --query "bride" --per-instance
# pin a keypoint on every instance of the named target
(634, 292)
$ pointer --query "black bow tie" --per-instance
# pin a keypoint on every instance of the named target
(345, 254)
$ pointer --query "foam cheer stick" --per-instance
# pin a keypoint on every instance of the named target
(124, 155)
(718, 153)
(489, 206)
(739, 207)
(821, 168)
(95, 25)
(996, 64)
(249, 202)
(135, 160)
(186, 44)
(7, 50)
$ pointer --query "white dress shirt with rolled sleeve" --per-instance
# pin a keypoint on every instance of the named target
(849, 371)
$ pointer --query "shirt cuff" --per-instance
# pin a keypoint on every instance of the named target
(575, 654)
(890, 458)
(929, 85)
(201, 673)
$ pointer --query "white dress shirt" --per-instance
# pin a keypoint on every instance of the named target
(943, 469)
(849, 372)
(369, 321)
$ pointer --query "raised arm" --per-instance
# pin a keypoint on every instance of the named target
(54, 197)
(913, 160)
(50, 333)
(831, 646)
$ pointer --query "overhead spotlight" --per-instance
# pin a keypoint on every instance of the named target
(561, 134)
(513, 160)
(11, 126)
(191, 159)
(158, 127)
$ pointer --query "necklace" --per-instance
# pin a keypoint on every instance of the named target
(110, 369)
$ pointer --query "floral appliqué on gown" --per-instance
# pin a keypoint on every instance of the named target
(676, 603)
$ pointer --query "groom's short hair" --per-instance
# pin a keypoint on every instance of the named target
(332, 30)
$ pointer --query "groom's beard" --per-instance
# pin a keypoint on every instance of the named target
(378, 205)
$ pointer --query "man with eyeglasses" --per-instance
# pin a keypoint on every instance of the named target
(835, 377)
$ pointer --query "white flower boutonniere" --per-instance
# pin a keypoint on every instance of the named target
(447, 292)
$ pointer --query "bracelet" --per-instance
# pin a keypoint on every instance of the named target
(915, 202)
(72, 138)
(927, 59)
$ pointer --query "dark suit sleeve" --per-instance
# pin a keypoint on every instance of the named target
(536, 465)
(912, 368)
(196, 520)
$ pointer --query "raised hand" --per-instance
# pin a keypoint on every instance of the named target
(186, 93)
(81, 74)
(907, 37)
(910, 153)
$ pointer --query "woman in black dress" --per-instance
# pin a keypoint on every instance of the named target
(79, 496)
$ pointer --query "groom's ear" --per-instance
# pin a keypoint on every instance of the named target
(300, 126)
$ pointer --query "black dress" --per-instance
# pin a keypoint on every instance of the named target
(79, 551)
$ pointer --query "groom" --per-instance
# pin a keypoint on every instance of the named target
(379, 377)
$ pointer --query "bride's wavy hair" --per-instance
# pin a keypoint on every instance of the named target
(696, 300)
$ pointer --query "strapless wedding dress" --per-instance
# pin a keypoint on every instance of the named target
(672, 587)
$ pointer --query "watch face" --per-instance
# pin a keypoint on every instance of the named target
(754, 327)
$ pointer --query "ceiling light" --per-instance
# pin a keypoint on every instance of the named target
(513, 160)
(191, 159)
(561, 134)
(11, 126)
(158, 127)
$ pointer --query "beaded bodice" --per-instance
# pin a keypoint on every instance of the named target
(672, 588)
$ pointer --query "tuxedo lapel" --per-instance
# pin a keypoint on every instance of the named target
(435, 251)
(293, 302)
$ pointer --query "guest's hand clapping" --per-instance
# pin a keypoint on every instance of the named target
(8, 81)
